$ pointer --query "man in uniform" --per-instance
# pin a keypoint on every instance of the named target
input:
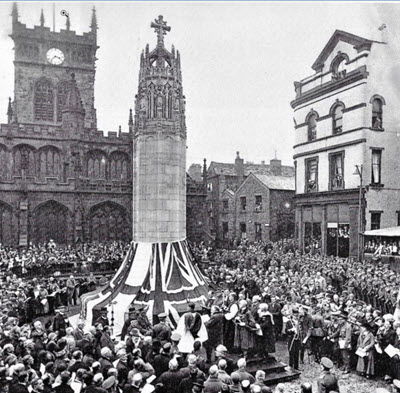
(345, 332)
(162, 331)
(103, 319)
(127, 323)
(327, 382)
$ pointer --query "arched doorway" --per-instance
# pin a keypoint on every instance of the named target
(109, 221)
(6, 231)
(50, 221)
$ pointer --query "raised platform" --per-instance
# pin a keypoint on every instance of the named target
(275, 371)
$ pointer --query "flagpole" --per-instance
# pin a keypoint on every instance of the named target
(54, 17)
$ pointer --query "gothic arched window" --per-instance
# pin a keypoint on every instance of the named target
(62, 91)
(312, 126)
(96, 165)
(44, 100)
(119, 166)
(3, 162)
(49, 161)
(337, 118)
(24, 160)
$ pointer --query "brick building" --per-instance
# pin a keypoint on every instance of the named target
(60, 177)
(346, 145)
(229, 186)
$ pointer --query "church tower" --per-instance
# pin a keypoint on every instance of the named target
(43, 62)
(159, 145)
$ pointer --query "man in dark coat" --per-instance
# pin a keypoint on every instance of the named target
(161, 360)
(59, 323)
(127, 323)
(162, 331)
(103, 319)
(20, 385)
(215, 330)
(171, 378)
(192, 320)
(327, 382)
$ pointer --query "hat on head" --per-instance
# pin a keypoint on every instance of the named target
(162, 315)
(167, 346)
(326, 363)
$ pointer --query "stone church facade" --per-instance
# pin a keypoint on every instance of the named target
(60, 177)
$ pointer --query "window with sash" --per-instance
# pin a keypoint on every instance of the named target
(337, 119)
(312, 127)
(311, 183)
(336, 176)
(377, 113)
(376, 166)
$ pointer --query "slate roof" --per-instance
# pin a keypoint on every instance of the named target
(277, 182)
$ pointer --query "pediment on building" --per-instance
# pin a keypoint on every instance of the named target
(358, 43)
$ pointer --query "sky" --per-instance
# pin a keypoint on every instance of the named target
(239, 61)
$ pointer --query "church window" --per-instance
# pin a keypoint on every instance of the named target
(49, 162)
(24, 160)
(96, 165)
(62, 91)
(44, 100)
(118, 166)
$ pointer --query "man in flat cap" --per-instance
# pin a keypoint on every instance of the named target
(327, 382)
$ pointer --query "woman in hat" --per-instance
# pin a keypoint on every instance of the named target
(267, 326)
(386, 335)
(245, 327)
(365, 351)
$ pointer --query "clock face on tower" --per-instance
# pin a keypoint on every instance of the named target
(55, 56)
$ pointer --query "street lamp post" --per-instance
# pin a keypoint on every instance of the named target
(359, 172)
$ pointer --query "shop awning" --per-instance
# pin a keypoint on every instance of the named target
(387, 232)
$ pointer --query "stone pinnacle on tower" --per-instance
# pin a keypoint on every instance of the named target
(93, 24)
(41, 18)
(130, 121)
(14, 13)
(9, 111)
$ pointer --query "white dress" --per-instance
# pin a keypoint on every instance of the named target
(187, 340)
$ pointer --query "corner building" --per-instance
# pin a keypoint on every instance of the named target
(346, 139)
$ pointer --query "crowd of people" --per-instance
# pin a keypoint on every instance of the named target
(37, 280)
(384, 247)
(49, 258)
(332, 311)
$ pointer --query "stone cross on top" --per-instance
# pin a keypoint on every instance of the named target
(161, 28)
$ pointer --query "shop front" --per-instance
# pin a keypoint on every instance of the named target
(328, 225)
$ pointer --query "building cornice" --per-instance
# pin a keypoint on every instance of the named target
(332, 147)
(327, 197)
(330, 136)
(352, 77)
